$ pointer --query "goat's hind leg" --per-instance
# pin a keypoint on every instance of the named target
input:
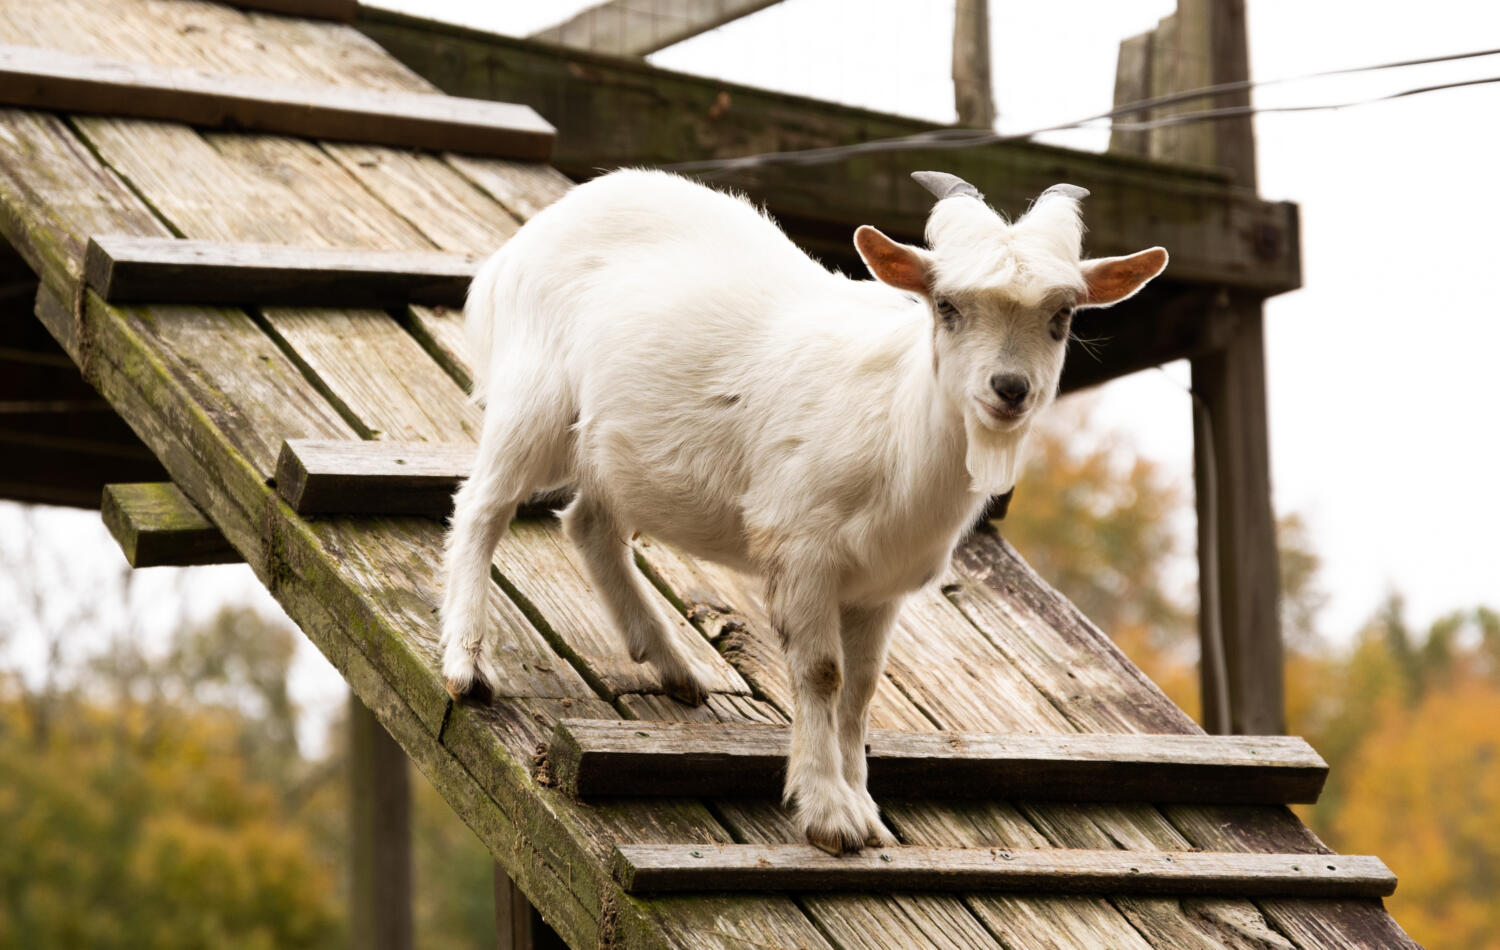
(524, 446)
(608, 560)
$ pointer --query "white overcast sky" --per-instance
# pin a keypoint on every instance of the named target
(1383, 388)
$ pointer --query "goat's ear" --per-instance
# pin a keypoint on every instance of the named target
(1112, 279)
(892, 262)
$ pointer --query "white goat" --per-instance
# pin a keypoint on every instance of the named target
(664, 349)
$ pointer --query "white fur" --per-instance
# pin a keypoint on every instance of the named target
(667, 351)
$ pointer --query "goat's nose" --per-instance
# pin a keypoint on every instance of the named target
(1010, 387)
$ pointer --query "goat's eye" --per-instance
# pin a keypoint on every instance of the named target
(1058, 325)
(948, 313)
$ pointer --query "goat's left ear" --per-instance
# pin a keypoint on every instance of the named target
(1112, 279)
(892, 262)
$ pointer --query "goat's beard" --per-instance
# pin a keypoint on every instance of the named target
(993, 458)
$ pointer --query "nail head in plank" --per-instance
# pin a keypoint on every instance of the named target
(125, 269)
(602, 758)
(157, 526)
(648, 868)
(338, 11)
(49, 79)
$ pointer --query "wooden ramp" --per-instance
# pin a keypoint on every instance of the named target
(216, 390)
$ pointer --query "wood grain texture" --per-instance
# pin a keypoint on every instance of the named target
(127, 269)
(592, 759)
(37, 78)
(676, 867)
(391, 478)
(157, 526)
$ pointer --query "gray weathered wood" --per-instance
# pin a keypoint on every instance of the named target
(391, 478)
(126, 269)
(646, 868)
(591, 759)
(633, 28)
(973, 89)
(49, 79)
(157, 526)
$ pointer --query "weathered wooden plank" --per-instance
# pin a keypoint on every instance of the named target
(627, 28)
(338, 11)
(646, 868)
(352, 477)
(156, 525)
(592, 759)
(613, 113)
(127, 269)
(37, 78)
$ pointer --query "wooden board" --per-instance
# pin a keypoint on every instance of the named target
(48, 79)
(127, 269)
(392, 478)
(593, 759)
(645, 868)
(157, 526)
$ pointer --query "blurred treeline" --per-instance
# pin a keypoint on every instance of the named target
(159, 797)
(1408, 719)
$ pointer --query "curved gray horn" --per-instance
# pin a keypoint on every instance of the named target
(944, 185)
(1067, 191)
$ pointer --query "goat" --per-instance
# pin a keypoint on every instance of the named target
(668, 352)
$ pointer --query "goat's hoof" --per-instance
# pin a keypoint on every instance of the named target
(836, 841)
(685, 690)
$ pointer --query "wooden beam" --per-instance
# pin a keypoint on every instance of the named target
(62, 82)
(633, 28)
(168, 270)
(157, 526)
(649, 868)
(379, 835)
(612, 113)
(593, 758)
(518, 925)
(386, 478)
(339, 11)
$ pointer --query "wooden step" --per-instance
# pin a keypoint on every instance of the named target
(649, 868)
(126, 269)
(156, 525)
(597, 758)
(36, 78)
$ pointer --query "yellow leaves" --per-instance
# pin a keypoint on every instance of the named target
(1424, 794)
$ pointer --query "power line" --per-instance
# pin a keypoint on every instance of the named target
(946, 138)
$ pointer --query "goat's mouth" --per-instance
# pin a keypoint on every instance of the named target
(1005, 416)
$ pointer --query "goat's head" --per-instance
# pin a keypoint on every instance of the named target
(1002, 297)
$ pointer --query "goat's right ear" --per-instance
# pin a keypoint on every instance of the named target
(899, 265)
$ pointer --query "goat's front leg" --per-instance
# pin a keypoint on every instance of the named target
(804, 611)
(866, 633)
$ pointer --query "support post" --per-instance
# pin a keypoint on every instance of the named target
(1204, 43)
(973, 91)
(380, 912)
(518, 926)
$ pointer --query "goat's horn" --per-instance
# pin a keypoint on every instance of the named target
(1067, 191)
(944, 185)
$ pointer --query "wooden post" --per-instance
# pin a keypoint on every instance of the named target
(379, 835)
(973, 93)
(518, 926)
(1241, 673)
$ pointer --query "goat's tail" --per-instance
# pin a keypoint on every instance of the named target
(481, 315)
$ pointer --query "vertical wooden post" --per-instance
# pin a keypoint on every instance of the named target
(973, 91)
(1241, 673)
(380, 835)
(518, 926)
